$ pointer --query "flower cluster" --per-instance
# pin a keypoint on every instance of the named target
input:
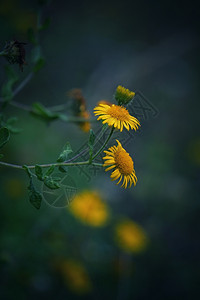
(118, 117)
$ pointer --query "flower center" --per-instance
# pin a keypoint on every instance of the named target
(118, 112)
(124, 162)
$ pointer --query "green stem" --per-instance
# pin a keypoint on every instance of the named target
(81, 163)
(105, 143)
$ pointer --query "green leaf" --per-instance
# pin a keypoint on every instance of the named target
(10, 125)
(40, 111)
(39, 172)
(51, 183)
(35, 197)
(4, 136)
(1, 156)
(65, 152)
(49, 171)
(63, 169)
(27, 170)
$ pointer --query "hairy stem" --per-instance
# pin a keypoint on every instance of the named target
(105, 143)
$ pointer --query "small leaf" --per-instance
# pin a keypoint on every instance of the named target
(49, 171)
(4, 136)
(27, 171)
(51, 183)
(39, 172)
(11, 127)
(40, 111)
(63, 169)
(65, 152)
(35, 197)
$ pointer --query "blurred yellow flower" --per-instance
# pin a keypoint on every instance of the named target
(75, 276)
(117, 116)
(130, 236)
(14, 188)
(89, 208)
(117, 158)
(85, 126)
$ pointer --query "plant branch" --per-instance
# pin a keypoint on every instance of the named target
(64, 164)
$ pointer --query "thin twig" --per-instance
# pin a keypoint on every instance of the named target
(80, 163)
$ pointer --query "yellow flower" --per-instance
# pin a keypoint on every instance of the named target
(85, 126)
(117, 158)
(75, 276)
(88, 207)
(14, 188)
(117, 116)
(104, 102)
(123, 96)
(130, 236)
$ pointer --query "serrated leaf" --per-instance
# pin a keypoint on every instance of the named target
(4, 136)
(51, 183)
(65, 152)
(39, 172)
(35, 197)
(49, 171)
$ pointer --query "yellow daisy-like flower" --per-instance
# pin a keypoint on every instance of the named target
(117, 116)
(123, 95)
(89, 208)
(117, 158)
(75, 276)
(130, 236)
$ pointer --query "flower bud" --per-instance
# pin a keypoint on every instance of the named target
(15, 53)
(123, 95)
